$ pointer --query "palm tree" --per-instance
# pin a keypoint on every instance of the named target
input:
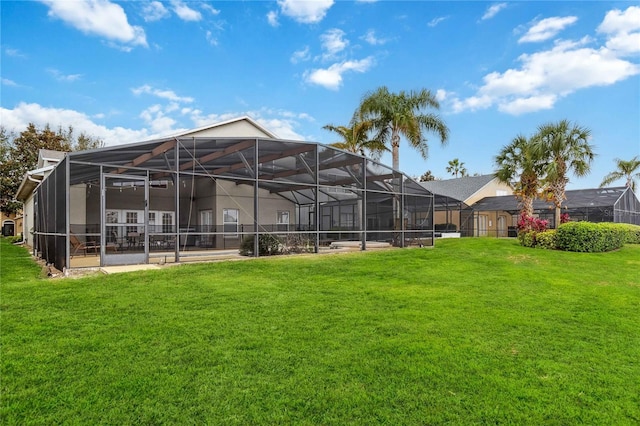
(624, 169)
(456, 167)
(518, 167)
(401, 114)
(565, 149)
(426, 177)
(355, 138)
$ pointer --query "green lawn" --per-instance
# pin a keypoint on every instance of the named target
(473, 331)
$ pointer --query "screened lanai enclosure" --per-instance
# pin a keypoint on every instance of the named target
(173, 199)
(498, 216)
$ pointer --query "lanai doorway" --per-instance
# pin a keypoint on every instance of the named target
(125, 209)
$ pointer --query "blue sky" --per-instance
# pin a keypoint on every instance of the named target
(134, 70)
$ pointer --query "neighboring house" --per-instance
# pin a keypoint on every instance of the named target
(208, 189)
(11, 224)
(458, 194)
(47, 160)
(617, 204)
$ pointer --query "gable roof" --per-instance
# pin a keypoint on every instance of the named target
(232, 125)
(459, 188)
(49, 156)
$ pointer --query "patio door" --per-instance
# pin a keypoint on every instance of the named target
(483, 220)
(124, 208)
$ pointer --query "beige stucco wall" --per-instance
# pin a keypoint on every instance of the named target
(235, 129)
(492, 228)
(492, 189)
(16, 219)
(78, 203)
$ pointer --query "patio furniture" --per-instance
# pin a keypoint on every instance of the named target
(78, 245)
(84, 246)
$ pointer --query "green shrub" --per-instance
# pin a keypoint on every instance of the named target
(268, 245)
(632, 233)
(590, 237)
(527, 238)
(15, 239)
(546, 239)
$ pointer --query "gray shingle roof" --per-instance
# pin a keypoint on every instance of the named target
(578, 198)
(459, 188)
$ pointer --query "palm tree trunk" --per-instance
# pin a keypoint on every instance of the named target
(395, 149)
(527, 206)
(395, 160)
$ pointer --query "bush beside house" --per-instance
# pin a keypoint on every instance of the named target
(582, 237)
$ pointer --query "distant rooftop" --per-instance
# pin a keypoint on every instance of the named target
(578, 198)
(458, 188)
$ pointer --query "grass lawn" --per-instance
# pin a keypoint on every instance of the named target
(473, 331)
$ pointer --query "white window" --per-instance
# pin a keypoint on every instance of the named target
(230, 222)
(501, 192)
(206, 220)
(346, 220)
(112, 216)
(167, 222)
(132, 217)
(152, 222)
(282, 220)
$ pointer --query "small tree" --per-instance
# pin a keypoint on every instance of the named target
(456, 168)
(355, 137)
(563, 148)
(403, 114)
(629, 170)
(19, 154)
(427, 177)
(519, 167)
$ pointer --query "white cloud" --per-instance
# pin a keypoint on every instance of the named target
(211, 39)
(493, 10)
(472, 103)
(441, 95)
(154, 11)
(14, 53)
(617, 21)
(18, 118)
(530, 104)
(625, 44)
(333, 42)
(546, 76)
(7, 82)
(282, 128)
(305, 11)
(210, 8)
(331, 78)
(371, 38)
(436, 21)
(547, 28)
(184, 12)
(63, 77)
(281, 123)
(164, 94)
(300, 55)
(155, 116)
(272, 18)
(98, 17)
(623, 30)
(161, 120)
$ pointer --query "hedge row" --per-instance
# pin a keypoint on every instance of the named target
(583, 237)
